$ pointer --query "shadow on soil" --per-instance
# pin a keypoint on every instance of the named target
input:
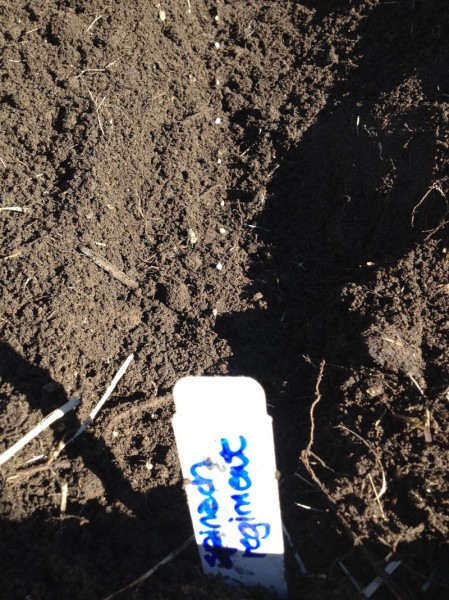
(328, 213)
(339, 208)
(95, 549)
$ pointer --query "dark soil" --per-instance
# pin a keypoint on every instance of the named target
(321, 191)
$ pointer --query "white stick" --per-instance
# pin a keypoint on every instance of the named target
(164, 561)
(105, 396)
(49, 420)
(18, 209)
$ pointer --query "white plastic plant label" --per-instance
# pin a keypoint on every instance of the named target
(225, 444)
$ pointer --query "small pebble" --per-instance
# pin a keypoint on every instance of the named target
(221, 202)
(192, 237)
(215, 312)
(222, 230)
(219, 161)
(217, 45)
(217, 121)
(219, 267)
(162, 15)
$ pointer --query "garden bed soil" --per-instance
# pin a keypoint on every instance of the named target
(304, 148)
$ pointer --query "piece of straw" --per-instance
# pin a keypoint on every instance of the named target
(153, 570)
(99, 405)
(49, 420)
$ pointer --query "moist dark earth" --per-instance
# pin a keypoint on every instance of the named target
(302, 147)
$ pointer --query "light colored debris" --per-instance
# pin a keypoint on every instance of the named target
(61, 464)
(298, 559)
(98, 406)
(383, 488)
(219, 266)
(304, 479)
(309, 508)
(110, 268)
(64, 495)
(17, 209)
(97, 18)
(193, 238)
(370, 589)
(350, 577)
(40, 427)
(162, 15)
(153, 570)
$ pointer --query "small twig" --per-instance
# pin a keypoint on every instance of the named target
(377, 495)
(97, 407)
(110, 268)
(152, 404)
(356, 540)
(308, 449)
(419, 388)
(89, 71)
(298, 559)
(434, 187)
(97, 110)
(49, 420)
(153, 570)
(426, 426)
(60, 464)
(93, 23)
(384, 479)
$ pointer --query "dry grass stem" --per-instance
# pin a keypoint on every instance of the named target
(298, 559)
(60, 464)
(18, 209)
(110, 268)
(153, 570)
(377, 495)
(97, 407)
(434, 187)
(97, 18)
(44, 424)
(383, 489)
(97, 110)
(398, 593)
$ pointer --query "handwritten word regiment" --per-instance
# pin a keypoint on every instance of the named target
(239, 481)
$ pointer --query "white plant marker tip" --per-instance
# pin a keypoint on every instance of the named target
(225, 443)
